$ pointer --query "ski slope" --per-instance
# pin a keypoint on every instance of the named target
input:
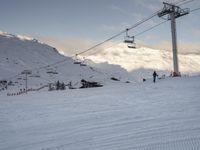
(118, 116)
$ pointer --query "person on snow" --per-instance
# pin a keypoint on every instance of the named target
(154, 76)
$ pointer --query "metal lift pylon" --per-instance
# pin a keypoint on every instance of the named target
(173, 12)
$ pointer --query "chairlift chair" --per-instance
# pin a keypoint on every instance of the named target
(83, 62)
(77, 61)
(132, 45)
(129, 40)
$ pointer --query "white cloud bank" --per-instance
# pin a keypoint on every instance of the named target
(133, 59)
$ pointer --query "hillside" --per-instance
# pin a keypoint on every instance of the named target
(18, 53)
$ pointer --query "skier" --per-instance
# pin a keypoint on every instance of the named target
(154, 76)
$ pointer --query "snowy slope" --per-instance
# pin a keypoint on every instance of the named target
(142, 61)
(18, 53)
(118, 116)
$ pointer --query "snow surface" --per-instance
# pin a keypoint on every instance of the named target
(118, 116)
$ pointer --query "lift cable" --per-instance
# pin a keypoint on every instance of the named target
(195, 9)
(185, 2)
(120, 33)
(114, 36)
(151, 28)
(180, 2)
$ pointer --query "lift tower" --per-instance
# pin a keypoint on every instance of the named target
(26, 72)
(173, 12)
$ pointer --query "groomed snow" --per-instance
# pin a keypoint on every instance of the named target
(118, 116)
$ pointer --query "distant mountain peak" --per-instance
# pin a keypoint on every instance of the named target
(20, 37)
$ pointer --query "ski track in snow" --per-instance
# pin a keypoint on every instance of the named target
(118, 116)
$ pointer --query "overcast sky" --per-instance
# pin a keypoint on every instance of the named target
(68, 23)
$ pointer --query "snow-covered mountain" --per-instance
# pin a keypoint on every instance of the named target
(18, 53)
(141, 61)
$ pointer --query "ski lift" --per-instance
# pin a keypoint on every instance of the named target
(77, 61)
(83, 62)
(50, 71)
(129, 40)
(132, 45)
